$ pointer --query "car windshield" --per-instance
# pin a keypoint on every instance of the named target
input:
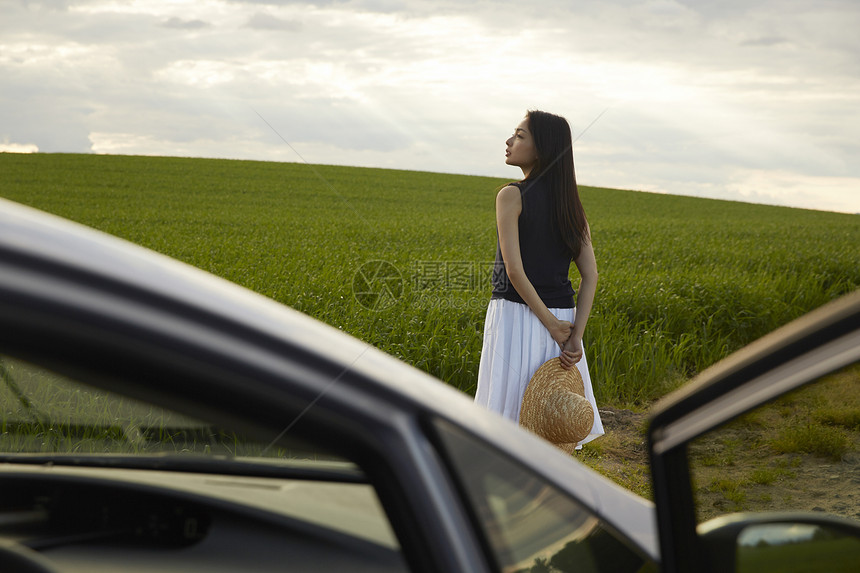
(45, 413)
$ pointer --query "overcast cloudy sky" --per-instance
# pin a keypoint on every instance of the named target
(749, 100)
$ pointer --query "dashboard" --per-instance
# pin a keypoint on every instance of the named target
(83, 519)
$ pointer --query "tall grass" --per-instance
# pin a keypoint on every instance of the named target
(683, 281)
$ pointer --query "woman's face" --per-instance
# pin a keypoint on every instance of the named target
(521, 151)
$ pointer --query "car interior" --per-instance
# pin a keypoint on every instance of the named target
(95, 481)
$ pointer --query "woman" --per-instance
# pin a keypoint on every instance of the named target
(541, 228)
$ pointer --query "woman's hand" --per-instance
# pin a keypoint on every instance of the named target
(560, 331)
(571, 352)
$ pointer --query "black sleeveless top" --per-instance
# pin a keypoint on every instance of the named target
(545, 259)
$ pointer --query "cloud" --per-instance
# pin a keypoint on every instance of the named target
(766, 41)
(7, 147)
(180, 24)
(697, 96)
(261, 21)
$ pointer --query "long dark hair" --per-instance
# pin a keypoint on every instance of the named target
(554, 147)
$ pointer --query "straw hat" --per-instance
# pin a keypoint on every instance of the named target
(555, 407)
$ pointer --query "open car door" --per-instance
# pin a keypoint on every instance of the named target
(820, 346)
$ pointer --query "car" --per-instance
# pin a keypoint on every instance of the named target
(156, 418)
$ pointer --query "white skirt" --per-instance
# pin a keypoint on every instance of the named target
(515, 345)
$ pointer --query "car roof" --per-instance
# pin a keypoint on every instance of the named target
(34, 235)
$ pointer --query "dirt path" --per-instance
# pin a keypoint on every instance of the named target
(731, 473)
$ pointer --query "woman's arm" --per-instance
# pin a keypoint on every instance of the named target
(508, 208)
(587, 266)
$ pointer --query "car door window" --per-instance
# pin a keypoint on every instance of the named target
(798, 453)
(42, 412)
(529, 525)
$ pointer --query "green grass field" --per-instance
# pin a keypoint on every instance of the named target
(683, 281)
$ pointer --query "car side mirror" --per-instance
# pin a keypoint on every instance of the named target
(787, 543)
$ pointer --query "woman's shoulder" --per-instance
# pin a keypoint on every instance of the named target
(510, 190)
(509, 196)
(514, 187)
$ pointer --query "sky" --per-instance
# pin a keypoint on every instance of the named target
(754, 101)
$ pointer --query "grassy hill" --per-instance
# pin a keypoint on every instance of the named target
(402, 259)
